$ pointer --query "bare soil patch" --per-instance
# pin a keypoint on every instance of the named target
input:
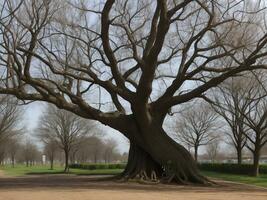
(70, 187)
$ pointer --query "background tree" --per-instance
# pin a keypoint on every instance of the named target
(109, 150)
(29, 153)
(10, 122)
(197, 126)
(13, 149)
(212, 150)
(66, 129)
(230, 100)
(91, 149)
(256, 120)
(3, 153)
(121, 52)
(51, 149)
(10, 117)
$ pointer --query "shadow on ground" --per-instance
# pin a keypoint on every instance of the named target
(59, 181)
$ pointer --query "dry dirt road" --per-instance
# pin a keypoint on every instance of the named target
(68, 187)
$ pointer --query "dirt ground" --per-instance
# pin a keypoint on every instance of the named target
(69, 187)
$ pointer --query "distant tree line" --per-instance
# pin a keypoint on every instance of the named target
(61, 136)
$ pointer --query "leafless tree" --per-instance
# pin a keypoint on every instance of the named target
(110, 148)
(66, 129)
(10, 117)
(97, 149)
(229, 101)
(241, 102)
(212, 150)
(3, 153)
(13, 149)
(88, 56)
(91, 149)
(29, 153)
(197, 126)
(51, 149)
(256, 120)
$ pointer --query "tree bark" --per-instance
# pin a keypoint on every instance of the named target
(256, 159)
(239, 155)
(196, 153)
(140, 163)
(52, 162)
(13, 161)
(154, 154)
(66, 160)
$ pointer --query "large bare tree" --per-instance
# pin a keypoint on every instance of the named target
(242, 103)
(139, 58)
(255, 118)
(197, 126)
(51, 149)
(229, 101)
(65, 129)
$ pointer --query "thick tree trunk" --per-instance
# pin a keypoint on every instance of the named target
(66, 160)
(256, 160)
(196, 153)
(13, 161)
(154, 155)
(239, 155)
(141, 164)
(178, 164)
(52, 163)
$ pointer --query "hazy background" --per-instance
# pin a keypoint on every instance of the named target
(34, 110)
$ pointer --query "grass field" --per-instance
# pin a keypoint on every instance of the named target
(258, 181)
(21, 170)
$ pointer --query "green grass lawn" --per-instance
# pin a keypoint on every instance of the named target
(258, 181)
(21, 170)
